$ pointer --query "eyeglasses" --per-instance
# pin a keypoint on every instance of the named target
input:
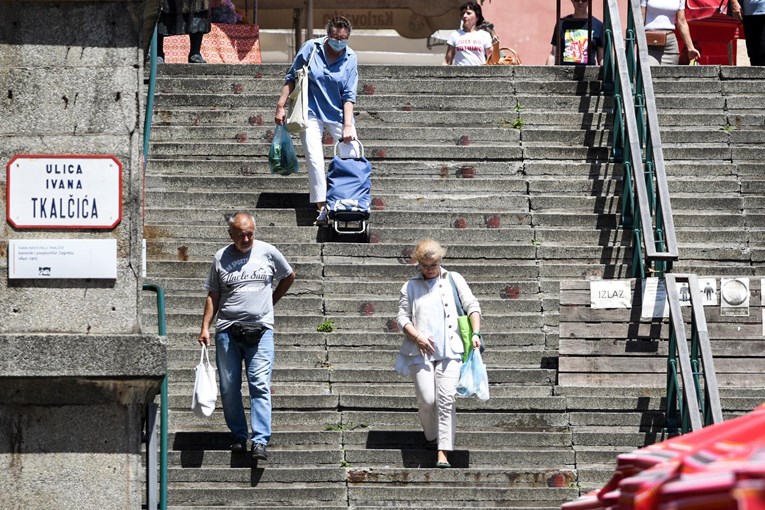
(430, 267)
(243, 235)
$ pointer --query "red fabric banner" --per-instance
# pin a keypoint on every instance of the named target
(225, 44)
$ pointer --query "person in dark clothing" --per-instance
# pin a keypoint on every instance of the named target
(752, 13)
(180, 17)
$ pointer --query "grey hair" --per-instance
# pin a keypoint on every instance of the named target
(231, 218)
(429, 249)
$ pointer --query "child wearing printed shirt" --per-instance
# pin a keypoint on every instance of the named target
(469, 45)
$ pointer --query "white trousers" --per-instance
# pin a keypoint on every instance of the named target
(435, 384)
(314, 155)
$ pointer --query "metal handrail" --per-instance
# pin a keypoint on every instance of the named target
(162, 331)
(150, 96)
(697, 402)
(627, 77)
(647, 210)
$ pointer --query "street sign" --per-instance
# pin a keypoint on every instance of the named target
(64, 192)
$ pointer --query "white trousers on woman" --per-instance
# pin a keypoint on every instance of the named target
(314, 154)
(435, 384)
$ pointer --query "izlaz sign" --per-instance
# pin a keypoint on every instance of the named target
(64, 192)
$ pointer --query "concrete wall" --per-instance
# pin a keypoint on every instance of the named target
(71, 85)
(75, 372)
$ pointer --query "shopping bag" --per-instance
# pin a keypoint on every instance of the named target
(297, 119)
(463, 323)
(281, 156)
(474, 381)
(205, 388)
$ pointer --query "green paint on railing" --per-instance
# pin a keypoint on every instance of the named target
(163, 451)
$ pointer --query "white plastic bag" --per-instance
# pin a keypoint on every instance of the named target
(205, 387)
(474, 381)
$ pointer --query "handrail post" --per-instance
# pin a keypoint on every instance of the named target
(162, 331)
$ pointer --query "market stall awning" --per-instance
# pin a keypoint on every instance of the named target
(716, 467)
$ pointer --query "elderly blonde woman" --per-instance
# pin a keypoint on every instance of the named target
(432, 349)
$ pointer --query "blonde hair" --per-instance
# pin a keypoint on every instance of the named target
(429, 249)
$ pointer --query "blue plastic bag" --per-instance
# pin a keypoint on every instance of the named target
(474, 381)
(281, 156)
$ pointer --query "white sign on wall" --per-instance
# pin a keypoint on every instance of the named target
(62, 258)
(64, 192)
(708, 288)
(734, 297)
(605, 294)
(655, 303)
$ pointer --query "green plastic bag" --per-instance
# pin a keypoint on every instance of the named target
(281, 156)
(466, 334)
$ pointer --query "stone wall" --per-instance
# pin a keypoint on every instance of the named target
(76, 372)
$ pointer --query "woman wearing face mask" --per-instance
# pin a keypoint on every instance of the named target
(469, 45)
(332, 81)
(431, 353)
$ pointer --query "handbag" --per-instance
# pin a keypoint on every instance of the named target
(297, 120)
(656, 38)
(205, 388)
(510, 58)
(463, 323)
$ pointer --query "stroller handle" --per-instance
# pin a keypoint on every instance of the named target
(351, 142)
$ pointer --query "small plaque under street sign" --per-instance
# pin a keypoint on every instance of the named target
(64, 192)
(62, 258)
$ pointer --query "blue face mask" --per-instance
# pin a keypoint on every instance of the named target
(337, 45)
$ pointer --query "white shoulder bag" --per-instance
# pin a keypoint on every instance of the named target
(297, 120)
(205, 387)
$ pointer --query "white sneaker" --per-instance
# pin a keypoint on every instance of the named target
(322, 219)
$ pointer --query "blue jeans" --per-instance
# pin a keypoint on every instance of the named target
(258, 362)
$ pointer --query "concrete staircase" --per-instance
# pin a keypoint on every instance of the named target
(505, 166)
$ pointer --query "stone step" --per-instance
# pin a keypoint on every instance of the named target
(266, 494)
(386, 375)
(391, 403)
(508, 340)
(373, 151)
(396, 72)
(508, 476)
(263, 115)
(363, 305)
(183, 420)
(431, 135)
(531, 101)
(272, 83)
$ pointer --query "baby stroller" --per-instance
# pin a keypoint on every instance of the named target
(349, 187)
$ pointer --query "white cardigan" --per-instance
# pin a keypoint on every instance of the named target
(417, 287)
